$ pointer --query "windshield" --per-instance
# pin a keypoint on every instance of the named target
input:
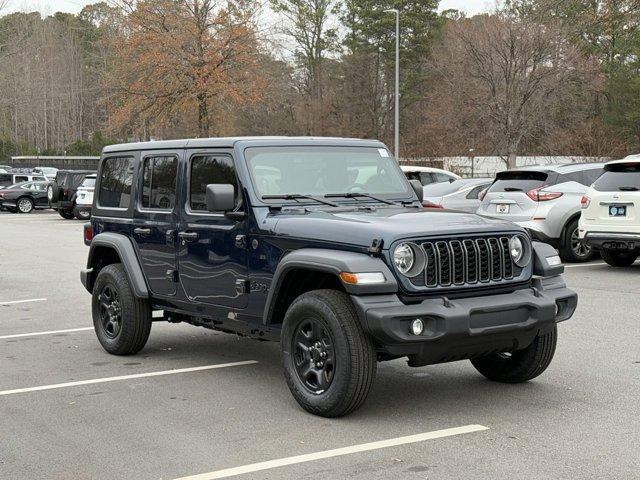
(89, 182)
(325, 170)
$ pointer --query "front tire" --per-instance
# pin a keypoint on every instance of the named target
(329, 362)
(573, 250)
(121, 321)
(521, 365)
(618, 259)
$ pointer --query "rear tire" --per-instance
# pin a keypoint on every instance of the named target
(572, 249)
(121, 321)
(66, 214)
(25, 205)
(326, 324)
(618, 259)
(521, 365)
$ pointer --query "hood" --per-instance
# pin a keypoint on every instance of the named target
(361, 226)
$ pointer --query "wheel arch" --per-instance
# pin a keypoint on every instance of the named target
(108, 248)
(563, 234)
(312, 269)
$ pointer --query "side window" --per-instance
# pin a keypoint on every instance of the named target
(21, 178)
(590, 176)
(6, 179)
(426, 178)
(159, 182)
(207, 169)
(442, 177)
(475, 191)
(115, 182)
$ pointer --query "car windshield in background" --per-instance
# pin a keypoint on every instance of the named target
(522, 181)
(89, 183)
(321, 170)
(619, 177)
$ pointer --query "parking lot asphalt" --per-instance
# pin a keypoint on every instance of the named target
(157, 415)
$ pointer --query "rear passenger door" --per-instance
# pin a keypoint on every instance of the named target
(155, 220)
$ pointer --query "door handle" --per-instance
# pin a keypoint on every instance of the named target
(143, 232)
(188, 236)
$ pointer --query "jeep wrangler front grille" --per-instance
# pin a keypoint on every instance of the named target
(465, 262)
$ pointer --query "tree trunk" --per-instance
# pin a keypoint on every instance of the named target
(203, 116)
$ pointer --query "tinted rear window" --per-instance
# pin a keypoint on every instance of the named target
(620, 177)
(519, 181)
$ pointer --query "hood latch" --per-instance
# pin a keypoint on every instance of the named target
(375, 249)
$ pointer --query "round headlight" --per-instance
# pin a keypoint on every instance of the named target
(403, 257)
(519, 252)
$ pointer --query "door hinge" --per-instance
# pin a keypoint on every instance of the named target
(241, 241)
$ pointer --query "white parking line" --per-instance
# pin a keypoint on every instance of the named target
(310, 457)
(24, 301)
(50, 332)
(124, 377)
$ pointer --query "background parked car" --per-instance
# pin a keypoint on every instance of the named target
(49, 172)
(546, 201)
(84, 198)
(13, 178)
(610, 219)
(428, 175)
(24, 197)
(62, 191)
(462, 194)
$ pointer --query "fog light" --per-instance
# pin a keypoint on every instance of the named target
(417, 326)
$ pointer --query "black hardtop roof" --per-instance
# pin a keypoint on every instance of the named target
(229, 142)
(83, 172)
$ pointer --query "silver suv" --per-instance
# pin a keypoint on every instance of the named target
(546, 201)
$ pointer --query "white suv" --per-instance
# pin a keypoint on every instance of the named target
(610, 219)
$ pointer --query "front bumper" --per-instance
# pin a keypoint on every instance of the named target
(466, 327)
(613, 240)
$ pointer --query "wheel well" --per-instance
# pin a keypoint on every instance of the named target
(566, 225)
(297, 282)
(101, 257)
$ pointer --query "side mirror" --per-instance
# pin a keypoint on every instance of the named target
(417, 187)
(220, 197)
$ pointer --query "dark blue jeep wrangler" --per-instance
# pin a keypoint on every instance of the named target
(321, 244)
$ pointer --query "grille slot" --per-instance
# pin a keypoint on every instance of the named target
(468, 261)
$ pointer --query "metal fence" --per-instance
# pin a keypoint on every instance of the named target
(60, 162)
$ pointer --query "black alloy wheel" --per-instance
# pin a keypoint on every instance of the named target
(313, 355)
(110, 311)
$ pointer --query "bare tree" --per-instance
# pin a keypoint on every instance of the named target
(507, 82)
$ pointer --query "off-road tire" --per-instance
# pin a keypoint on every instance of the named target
(136, 315)
(618, 259)
(66, 214)
(569, 239)
(521, 365)
(355, 357)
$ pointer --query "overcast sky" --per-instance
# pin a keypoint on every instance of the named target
(471, 7)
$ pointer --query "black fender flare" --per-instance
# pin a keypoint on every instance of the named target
(540, 258)
(125, 250)
(333, 262)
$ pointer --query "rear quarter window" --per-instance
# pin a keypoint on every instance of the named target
(116, 180)
(619, 177)
(522, 181)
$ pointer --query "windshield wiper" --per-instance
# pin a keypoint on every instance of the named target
(628, 189)
(513, 189)
(357, 195)
(297, 197)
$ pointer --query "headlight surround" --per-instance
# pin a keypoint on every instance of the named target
(409, 259)
(520, 250)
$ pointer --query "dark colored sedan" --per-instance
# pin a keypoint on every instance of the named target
(24, 197)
